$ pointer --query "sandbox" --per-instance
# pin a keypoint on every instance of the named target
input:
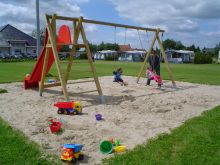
(132, 113)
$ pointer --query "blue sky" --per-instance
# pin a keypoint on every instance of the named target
(189, 21)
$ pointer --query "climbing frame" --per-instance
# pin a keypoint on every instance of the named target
(78, 29)
(52, 46)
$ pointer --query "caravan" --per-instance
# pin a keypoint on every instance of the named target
(219, 56)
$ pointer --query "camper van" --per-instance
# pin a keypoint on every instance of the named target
(219, 56)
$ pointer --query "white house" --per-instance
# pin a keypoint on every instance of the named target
(219, 56)
(15, 42)
(180, 56)
(104, 54)
(132, 56)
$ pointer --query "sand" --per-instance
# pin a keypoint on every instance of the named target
(133, 113)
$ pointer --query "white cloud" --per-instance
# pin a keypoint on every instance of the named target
(90, 28)
(22, 13)
(174, 16)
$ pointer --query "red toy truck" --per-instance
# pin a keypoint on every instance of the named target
(69, 108)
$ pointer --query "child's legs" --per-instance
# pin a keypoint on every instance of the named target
(148, 81)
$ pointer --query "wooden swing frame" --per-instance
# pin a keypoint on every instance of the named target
(78, 29)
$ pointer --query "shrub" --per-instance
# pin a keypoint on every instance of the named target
(201, 58)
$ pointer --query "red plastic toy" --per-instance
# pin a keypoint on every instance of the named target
(55, 126)
(69, 108)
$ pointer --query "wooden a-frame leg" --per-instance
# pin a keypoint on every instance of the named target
(76, 31)
(146, 58)
(102, 99)
(57, 61)
(43, 74)
(165, 60)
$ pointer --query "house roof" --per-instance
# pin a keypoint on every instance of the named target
(135, 52)
(9, 33)
(107, 51)
(180, 51)
(123, 48)
(139, 49)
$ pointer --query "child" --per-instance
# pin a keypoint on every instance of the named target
(117, 76)
(151, 76)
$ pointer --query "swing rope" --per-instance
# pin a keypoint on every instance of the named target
(115, 34)
(140, 41)
(160, 49)
(125, 36)
(114, 39)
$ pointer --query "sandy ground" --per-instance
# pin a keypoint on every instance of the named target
(132, 114)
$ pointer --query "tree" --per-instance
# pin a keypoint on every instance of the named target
(179, 45)
(198, 49)
(217, 49)
(169, 44)
(105, 46)
(42, 35)
(192, 47)
(93, 47)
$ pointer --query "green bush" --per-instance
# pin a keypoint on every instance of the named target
(201, 58)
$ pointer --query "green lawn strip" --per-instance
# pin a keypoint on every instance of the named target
(196, 142)
(17, 149)
(195, 73)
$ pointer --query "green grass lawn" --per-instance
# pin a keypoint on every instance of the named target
(17, 149)
(197, 142)
(203, 74)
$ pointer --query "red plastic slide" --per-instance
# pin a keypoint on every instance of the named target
(32, 80)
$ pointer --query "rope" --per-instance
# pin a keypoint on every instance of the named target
(125, 36)
(115, 35)
(114, 40)
(140, 40)
(160, 49)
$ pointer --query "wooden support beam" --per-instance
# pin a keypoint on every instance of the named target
(41, 84)
(49, 85)
(146, 58)
(89, 55)
(57, 61)
(52, 85)
(165, 60)
(43, 74)
(105, 23)
(63, 44)
(76, 31)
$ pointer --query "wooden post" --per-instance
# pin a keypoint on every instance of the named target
(91, 64)
(165, 60)
(43, 74)
(41, 85)
(146, 58)
(76, 31)
(57, 61)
